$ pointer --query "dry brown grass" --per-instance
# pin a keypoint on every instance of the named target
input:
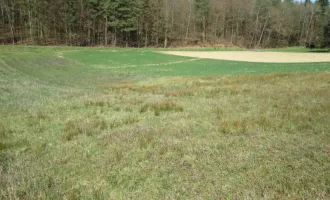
(162, 106)
(88, 126)
(228, 137)
(181, 92)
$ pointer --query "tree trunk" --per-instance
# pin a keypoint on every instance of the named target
(106, 31)
(308, 28)
(166, 24)
(126, 39)
(55, 32)
(11, 19)
(30, 22)
(256, 27)
(188, 24)
(21, 24)
(3, 23)
(267, 41)
(237, 32)
(157, 36)
(114, 41)
(262, 33)
(146, 38)
(89, 34)
(204, 29)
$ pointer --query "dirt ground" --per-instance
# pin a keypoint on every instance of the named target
(263, 57)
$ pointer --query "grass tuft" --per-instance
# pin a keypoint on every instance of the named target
(4, 135)
(161, 106)
(90, 126)
(166, 105)
(97, 103)
(236, 126)
(181, 92)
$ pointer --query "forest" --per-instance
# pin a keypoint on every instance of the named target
(166, 23)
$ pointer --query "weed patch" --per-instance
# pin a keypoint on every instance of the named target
(166, 105)
(162, 106)
(90, 126)
(127, 120)
(4, 135)
(181, 92)
(97, 103)
(236, 126)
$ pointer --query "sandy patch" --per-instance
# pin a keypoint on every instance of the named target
(263, 57)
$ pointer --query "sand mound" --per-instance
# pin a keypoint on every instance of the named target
(263, 57)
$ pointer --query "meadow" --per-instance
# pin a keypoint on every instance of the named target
(103, 123)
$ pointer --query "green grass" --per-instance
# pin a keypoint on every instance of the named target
(97, 123)
(146, 62)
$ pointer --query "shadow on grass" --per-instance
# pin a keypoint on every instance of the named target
(3, 162)
(319, 50)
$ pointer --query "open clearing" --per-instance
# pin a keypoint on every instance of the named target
(98, 123)
(260, 57)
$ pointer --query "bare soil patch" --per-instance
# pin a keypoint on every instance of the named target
(262, 57)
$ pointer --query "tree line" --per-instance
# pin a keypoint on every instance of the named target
(164, 23)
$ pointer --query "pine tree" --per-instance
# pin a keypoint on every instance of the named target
(202, 8)
(326, 23)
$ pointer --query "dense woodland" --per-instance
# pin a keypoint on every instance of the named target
(165, 23)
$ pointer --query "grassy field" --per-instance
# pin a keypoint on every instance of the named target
(97, 123)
